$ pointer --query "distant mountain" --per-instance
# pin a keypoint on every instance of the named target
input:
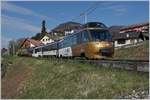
(114, 30)
(66, 27)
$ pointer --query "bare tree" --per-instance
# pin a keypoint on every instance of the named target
(12, 47)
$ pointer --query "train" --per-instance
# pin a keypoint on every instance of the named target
(92, 41)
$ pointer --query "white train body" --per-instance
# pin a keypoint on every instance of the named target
(50, 53)
(65, 52)
(37, 52)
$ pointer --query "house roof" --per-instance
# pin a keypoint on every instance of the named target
(32, 41)
(126, 35)
(134, 26)
(42, 35)
(35, 42)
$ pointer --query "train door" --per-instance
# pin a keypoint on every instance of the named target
(82, 39)
(76, 48)
(35, 52)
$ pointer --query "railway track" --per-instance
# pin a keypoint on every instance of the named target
(135, 65)
(127, 64)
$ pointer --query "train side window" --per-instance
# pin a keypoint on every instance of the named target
(36, 50)
(85, 37)
(55, 46)
(48, 48)
(79, 38)
(44, 48)
(60, 44)
(65, 44)
(74, 39)
(69, 41)
(52, 46)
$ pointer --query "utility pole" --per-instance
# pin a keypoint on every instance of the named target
(85, 17)
(13, 46)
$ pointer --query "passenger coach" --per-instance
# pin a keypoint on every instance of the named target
(93, 42)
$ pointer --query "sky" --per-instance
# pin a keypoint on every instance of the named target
(22, 19)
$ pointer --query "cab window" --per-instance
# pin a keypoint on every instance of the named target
(85, 37)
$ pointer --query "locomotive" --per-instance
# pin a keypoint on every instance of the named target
(93, 41)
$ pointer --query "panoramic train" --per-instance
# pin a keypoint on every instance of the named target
(93, 41)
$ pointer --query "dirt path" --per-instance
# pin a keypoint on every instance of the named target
(12, 87)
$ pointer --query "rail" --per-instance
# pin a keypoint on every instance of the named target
(127, 64)
(135, 65)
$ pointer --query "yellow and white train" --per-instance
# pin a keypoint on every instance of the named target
(93, 42)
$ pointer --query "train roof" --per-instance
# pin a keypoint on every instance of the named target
(94, 25)
(87, 28)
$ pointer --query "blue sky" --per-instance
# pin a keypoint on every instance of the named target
(23, 19)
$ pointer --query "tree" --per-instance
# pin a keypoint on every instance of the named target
(12, 47)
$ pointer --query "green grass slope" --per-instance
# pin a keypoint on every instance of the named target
(140, 52)
(69, 79)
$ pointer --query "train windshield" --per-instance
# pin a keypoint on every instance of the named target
(98, 35)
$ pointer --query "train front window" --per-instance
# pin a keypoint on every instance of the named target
(98, 35)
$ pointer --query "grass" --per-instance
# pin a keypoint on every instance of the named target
(140, 52)
(55, 78)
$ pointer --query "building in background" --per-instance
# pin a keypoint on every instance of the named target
(43, 36)
(46, 39)
(26, 47)
(128, 35)
(142, 27)
(4, 51)
(29, 43)
(128, 38)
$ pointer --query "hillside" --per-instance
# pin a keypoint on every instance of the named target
(66, 27)
(137, 52)
(58, 78)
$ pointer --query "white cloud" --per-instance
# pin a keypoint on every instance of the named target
(117, 9)
(13, 8)
(121, 10)
(24, 11)
(18, 24)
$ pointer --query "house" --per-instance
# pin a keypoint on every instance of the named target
(128, 35)
(29, 43)
(46, 39)
(43, 36)
(67, 32)
(142, 27)
(4, 51)
(122, 39)
(26, 47)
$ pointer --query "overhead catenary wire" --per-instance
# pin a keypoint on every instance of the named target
(87, 12)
